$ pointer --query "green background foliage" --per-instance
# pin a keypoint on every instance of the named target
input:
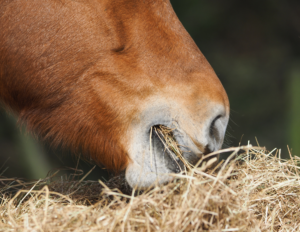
(253, 46)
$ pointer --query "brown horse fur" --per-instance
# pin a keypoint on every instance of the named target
(78, 72)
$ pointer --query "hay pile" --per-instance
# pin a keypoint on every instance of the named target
(254, 191)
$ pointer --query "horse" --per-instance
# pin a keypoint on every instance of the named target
(96, 76)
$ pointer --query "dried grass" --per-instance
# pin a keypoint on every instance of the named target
(165, 134)
(253, 191)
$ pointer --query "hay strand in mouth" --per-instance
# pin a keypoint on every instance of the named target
(166, 136)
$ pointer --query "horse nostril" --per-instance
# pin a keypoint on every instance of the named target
(213, 130)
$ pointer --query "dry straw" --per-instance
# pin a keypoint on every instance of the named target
(253, 191)
(165, 135)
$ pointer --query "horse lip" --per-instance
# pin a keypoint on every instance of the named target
(196, 153)
(191, 156)
(176, 165)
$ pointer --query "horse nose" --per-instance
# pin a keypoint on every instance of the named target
(213, 129)
(216, 131)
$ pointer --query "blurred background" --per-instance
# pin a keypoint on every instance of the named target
(253, 46)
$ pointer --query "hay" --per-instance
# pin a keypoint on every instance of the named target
(254, 191)
(165, 135)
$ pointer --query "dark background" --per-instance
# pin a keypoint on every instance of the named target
(253, 46)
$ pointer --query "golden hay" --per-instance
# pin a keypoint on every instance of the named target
(165, 134)
(254, 191)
